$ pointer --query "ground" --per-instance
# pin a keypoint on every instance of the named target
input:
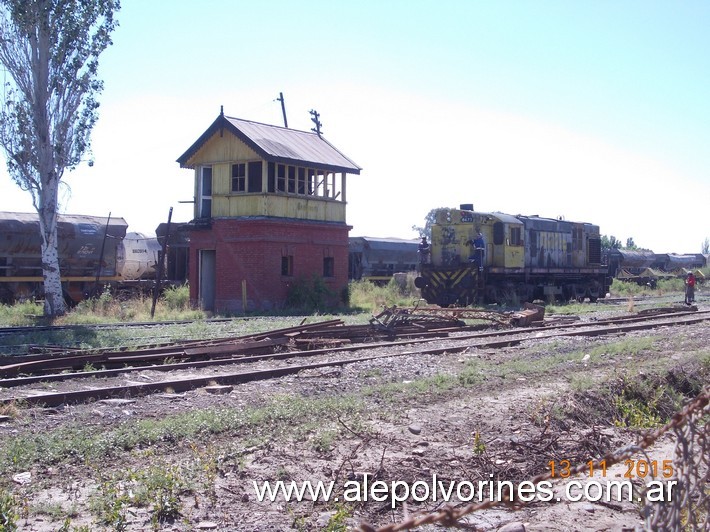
(480, 415)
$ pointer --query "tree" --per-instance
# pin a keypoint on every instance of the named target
(610, 242)
(428, 222)
(705, 249)
(630, 244)
(50, 49)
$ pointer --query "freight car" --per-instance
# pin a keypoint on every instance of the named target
(646, 267)
(87, 251)
(378, 259)
(516, 258)
(93, 252)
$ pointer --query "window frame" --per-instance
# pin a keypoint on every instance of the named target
(328, 267)
(286, 265)
(239, 178)
(205, 196)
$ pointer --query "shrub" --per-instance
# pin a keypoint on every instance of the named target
(177, 297)
(309, 294)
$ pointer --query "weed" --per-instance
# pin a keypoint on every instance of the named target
(10, 409)
(581, 383)
(479, 446)
(374, 372)
(310, 294)
(177, 297)
(208, 463)
(8, 512)
(109, 504)
(371, 297)
(282, 474)
(54, 511)
(323, 441)
(636, 414)
(161, 486)
(338, 521)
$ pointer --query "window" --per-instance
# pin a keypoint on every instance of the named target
(280, 178)
(328, 267)
(239, 177)
(301, 181)
(292, 179)
(498, 233)
(311, 182)
(287, 265)
(271, 177)
(205, 192)
(254, 177)
(578, 238)
(516, 238)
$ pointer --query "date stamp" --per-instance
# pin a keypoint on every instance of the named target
(634, 468)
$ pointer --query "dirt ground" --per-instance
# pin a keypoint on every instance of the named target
(484, 415)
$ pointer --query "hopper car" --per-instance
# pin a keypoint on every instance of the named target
(94, 252)
(378, 259)
(646, 267)
(479, 257)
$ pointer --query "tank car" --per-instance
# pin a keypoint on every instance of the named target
(138, 257)
(87, 248)
(494, 257)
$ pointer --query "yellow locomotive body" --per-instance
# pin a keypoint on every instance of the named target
(496, 257)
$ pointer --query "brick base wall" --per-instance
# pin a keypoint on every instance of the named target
(251, 250)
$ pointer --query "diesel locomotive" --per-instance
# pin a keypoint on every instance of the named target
(477, 257)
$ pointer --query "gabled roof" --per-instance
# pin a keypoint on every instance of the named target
(277, 144)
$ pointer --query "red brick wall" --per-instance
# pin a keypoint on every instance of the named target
(251, 249)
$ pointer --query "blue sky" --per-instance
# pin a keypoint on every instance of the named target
(595, 111)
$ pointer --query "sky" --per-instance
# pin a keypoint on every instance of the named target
(594, 111)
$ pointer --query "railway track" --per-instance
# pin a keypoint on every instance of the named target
(227, 355)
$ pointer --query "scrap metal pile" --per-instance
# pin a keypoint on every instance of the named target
(389, 325)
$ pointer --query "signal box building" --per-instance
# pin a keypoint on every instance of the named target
(269, 212)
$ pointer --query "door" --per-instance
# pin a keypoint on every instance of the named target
(208, 271)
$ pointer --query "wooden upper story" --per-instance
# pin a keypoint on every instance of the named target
(245, 168)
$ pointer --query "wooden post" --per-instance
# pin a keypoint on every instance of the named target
(161, 262)
(244, 296)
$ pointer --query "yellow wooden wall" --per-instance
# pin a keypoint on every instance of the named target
(221, 153)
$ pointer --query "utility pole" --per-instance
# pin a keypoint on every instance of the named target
(283, 107)
(315, 120)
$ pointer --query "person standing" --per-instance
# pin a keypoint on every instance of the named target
(479, 250)
(690, 288)
(424, 251)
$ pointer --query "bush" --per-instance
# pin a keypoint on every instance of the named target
(177, 297)
(309, 295)
(372, 297)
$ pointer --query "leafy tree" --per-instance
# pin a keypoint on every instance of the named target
(50, 49)
(428, 222)
(705, 250)
(630, 245)
(610, 242)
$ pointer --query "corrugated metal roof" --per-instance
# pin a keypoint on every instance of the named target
(30, 217)
(278, 144)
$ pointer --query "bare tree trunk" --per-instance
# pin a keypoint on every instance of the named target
(54, 304)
